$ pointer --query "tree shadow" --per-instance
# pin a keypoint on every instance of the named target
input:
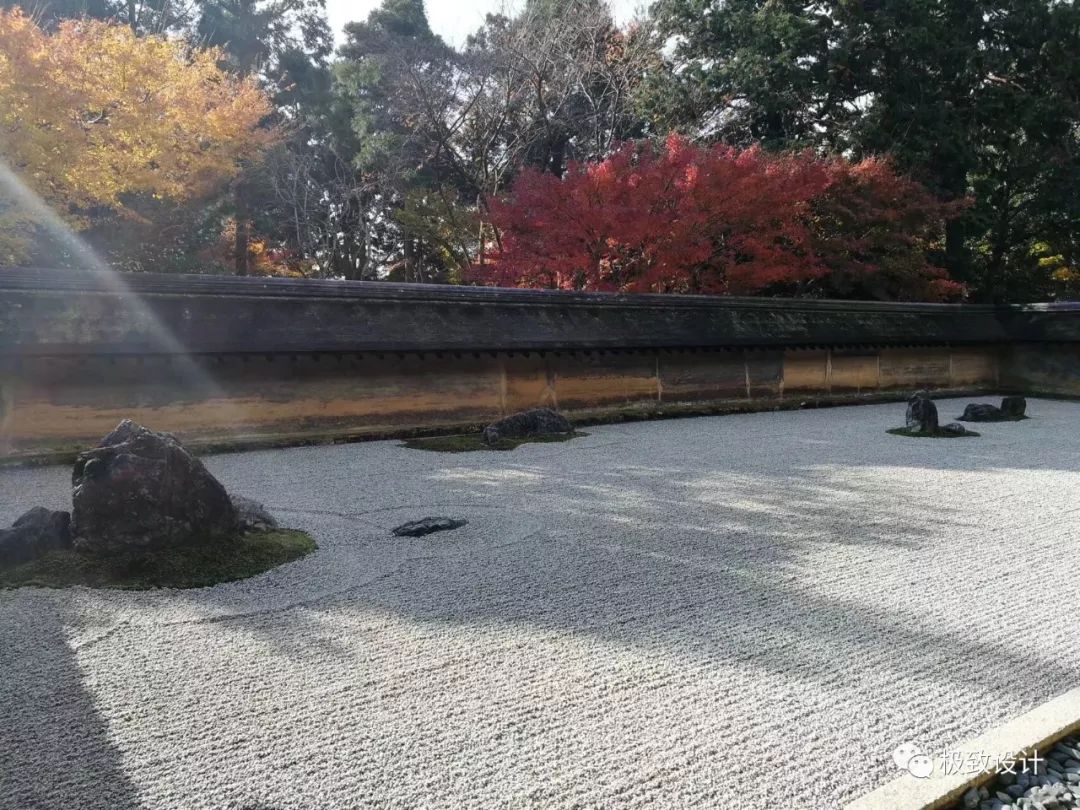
(738, 540)
(54, 745)
(732, 591)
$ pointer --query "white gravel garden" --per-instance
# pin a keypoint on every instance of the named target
(737, 611)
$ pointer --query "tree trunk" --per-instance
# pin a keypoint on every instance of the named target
(241, 250)
(957, 261)
(995, 282)
(408, 256)
(955, 252)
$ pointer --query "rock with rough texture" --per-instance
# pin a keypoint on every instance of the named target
(535, 422)
(981, 412)
(428, 525)
(139, 489)
(922, 415)
(1014, 407)
(34, 533)
(252, 515)
(954, 429)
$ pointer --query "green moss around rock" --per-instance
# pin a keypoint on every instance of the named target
(471, 442)
(937, 434)
(193, 566)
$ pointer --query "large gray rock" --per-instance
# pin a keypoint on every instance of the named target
(922, 415)
(139, 490)
(981, 412)
(536, 422)
(1014, 407)
(34, 533)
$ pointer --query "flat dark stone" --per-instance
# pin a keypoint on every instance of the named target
(428, 525)
(982, 412)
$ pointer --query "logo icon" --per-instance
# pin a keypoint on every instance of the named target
(909, 757)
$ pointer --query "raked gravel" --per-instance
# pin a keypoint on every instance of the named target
(745, 611)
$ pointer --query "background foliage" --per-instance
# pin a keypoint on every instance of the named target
(900, 149)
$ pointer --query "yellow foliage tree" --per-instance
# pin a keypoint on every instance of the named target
(92, 116)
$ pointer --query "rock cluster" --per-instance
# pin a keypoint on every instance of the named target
(1053, 784)
(535, 422)
(922, 416)
(137, 490)
(1012, 408)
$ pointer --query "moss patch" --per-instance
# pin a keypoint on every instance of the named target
(937, 434)
(194, 566)
(471, 442)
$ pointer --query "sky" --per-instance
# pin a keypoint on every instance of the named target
(453, 20)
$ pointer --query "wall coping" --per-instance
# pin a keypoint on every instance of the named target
(63, 280)
(75, 312)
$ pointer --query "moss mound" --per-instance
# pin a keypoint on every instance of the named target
(937, 434)
(194, 566)
(471, 442)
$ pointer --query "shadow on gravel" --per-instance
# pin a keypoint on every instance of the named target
(706, 551)
(55, 751)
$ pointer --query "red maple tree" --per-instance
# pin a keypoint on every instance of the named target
(716, 219)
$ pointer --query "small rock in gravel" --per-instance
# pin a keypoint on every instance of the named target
(980, 412)
(535, 422)
(972, 797)
(1014, 407)
(428, 525)
(954, 429)
(252, 515)
(34, 533)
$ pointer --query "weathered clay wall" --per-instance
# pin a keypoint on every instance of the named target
(60, 404)
(1047, 368)
(237, 362)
